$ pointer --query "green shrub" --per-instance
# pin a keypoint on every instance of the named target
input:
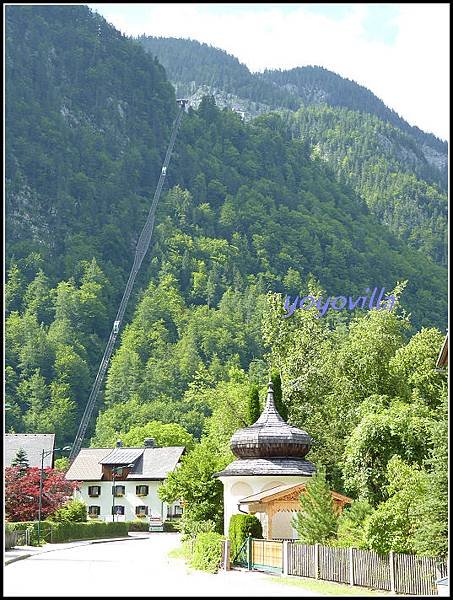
(74, 511)
(138, 525)
(241, 526)
(191, 527)
(171, 526)
(351, 525)
(207, 552)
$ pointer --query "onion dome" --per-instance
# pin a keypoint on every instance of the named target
(270, 435)
(270, 446)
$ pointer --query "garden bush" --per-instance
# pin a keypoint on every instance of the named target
(207, 552)
(171, 526)
(241, 526)
(74, 511)
(138, 525)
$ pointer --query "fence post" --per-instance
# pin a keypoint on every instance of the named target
(316, 561)
(249, 552)
(392, 572)
(351, 566)
(226, 558)
(285, 550)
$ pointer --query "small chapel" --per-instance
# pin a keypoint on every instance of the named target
(270, 473)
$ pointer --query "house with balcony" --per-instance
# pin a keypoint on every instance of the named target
(121, 484)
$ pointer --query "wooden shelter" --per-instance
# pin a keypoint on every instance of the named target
(283, 498)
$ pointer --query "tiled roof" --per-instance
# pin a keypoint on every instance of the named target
(269, 466)
(87, 464)
(150, 463)
(158, 462)
(33, 444)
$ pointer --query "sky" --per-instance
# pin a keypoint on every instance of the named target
(398, 51)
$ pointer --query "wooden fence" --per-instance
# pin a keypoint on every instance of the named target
(302, 560)
(370, 569)
(17, 538)
(400, 573)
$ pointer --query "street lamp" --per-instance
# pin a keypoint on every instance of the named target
(115, 471)
(45, 453)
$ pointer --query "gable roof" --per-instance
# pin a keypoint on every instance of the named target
(286, 491)
(149, 463)
(33, 444)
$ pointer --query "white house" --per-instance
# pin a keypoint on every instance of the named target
(121, 483)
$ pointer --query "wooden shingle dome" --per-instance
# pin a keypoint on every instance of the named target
(270, 435)
(270, 446)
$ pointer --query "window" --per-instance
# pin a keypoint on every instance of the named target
(142, 490)
(94, 511)
(118, 490)
(118, 510)
(141, 511)
(94, 490)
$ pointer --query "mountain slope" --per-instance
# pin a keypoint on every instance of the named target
(400, 171)
(248, 209)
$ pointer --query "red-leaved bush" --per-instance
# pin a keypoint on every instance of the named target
(22, 493)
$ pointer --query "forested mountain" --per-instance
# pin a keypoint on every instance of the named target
(399, 170)
(249, 209)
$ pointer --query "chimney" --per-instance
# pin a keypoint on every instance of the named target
(149, 443)
(119, 444)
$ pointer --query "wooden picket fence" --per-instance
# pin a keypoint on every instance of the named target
(302, 560)
(399, 573)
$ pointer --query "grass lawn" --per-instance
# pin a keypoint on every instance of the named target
(327, 587)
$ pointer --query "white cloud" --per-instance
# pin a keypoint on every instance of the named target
(410, 75)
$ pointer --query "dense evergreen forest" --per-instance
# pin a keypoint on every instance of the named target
(400, 171)
(251, 212)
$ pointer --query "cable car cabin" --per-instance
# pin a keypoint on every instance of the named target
(164, 170)
(116, 326)
(183, 102)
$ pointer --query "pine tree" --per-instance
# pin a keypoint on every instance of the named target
(21, 460)
(317, 521)
(253, 405)
(278, 396)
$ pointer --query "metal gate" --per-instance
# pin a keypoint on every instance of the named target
(267, 555)
(260, 555)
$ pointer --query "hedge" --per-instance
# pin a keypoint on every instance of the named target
(207, 552)
(241, 526)
(68, 532)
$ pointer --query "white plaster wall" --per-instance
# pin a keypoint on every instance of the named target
(281, 526)
(250, 484)
(130, 500)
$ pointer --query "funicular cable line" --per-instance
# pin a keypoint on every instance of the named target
(140, 251)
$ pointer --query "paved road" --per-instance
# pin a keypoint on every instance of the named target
(139, 568)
